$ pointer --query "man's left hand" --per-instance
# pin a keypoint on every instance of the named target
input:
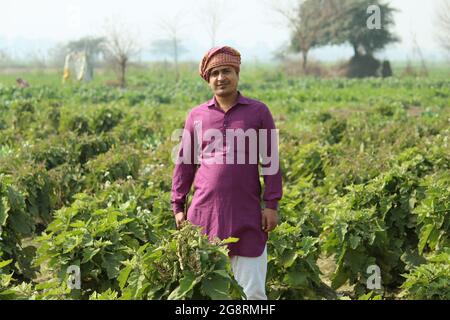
(269, 219)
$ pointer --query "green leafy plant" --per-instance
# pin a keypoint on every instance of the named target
(429, 281)
(185, 266)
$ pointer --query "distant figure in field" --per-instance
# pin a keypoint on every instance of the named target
(78, 64)
(22, 83)
(386, 70)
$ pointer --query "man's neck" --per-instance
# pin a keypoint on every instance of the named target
(225, 103)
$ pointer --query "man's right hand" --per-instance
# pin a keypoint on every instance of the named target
(179, 219)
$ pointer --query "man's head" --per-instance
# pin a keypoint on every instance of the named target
(223, 80)
(220, 67)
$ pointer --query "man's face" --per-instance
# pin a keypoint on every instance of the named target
(223, 81)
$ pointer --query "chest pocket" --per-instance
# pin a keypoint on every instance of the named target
(243, 124)
(245, 140)
(240, 124)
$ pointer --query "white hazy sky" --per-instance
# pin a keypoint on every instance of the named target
(251, 26)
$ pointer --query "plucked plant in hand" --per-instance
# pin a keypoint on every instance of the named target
(187, 265)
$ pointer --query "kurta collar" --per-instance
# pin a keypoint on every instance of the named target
(240, 100)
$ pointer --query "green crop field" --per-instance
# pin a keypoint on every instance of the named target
(85, 180)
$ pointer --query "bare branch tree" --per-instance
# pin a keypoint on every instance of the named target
(173, 43)
(57, 55)
(417, 51)
(308, 21)
(38, 59)
(121, 46)
(212, 18)
(3, 55)
(443, 24)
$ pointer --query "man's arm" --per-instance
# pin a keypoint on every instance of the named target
(184, 172)
(273, 189)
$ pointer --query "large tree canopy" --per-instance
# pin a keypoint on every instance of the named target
(309, 22)
(317, 23)
(350, 26)
(92, 46)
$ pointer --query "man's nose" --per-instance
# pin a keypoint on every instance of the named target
(221, 76)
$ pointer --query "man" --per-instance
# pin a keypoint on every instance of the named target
(227, 194)
(21, 83)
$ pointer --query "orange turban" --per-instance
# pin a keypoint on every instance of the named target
(219, 56)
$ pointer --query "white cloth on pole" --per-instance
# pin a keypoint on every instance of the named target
(251, 273)
(78, 64)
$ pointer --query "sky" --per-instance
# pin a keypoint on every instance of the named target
(252, 26)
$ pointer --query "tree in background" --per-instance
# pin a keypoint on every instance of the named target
(38, 59)
(316, 23)
(350, 26)
(120, 47)
(171, 45)
(310, 23)
(169, 48)
(4, 57)
(57, 55)
(93, 46)
(443, 24)
(212, 18)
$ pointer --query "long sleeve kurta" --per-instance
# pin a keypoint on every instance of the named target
(227, 196)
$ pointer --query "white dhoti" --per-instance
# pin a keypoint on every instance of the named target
(250, 273)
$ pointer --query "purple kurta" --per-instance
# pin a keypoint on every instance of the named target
(227, 197)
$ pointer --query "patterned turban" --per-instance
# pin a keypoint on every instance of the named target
(219, 56)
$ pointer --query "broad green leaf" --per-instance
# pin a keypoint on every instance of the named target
(5, 263)
(424, 237)
(5, 279)
(123, 276)
(135, 284)
(47, 285)
(412, 259)
(4, 208)
(433, 239)
(223, 273)
(71, 242)
(112, 262)
(107, 295)
(296, 279)
(216, 287)
(78, 224)
(137, 230)
(187, 283)
(339, 279)
(354, 241)
(230, 240)
(288, 258)
(21, 222)
(125, 221)
(89, 253)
